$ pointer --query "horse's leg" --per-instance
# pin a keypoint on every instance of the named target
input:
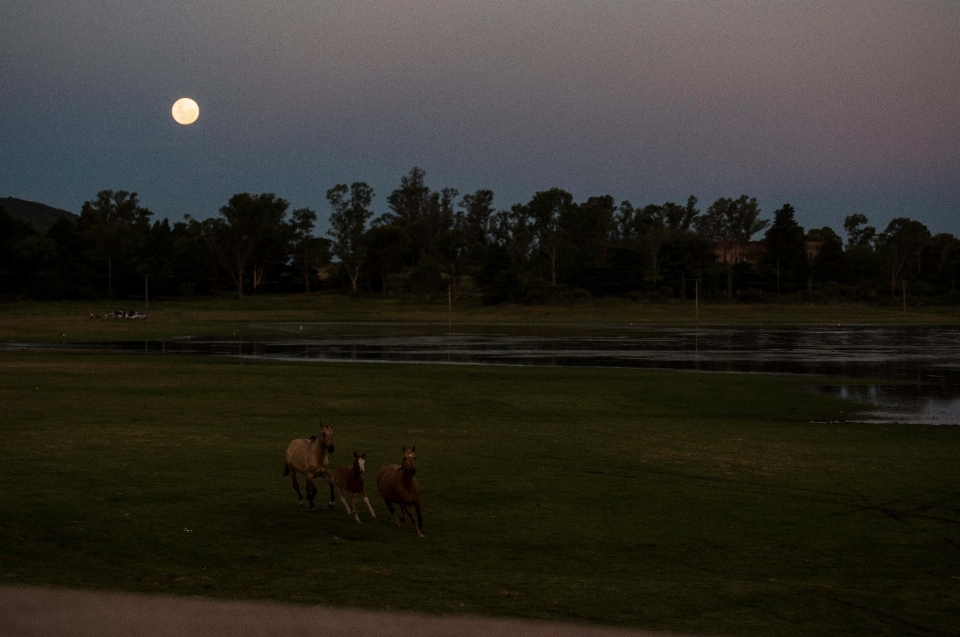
(363, 492)
(353, 498)
(416, 505)
(296, 484)
(311, 492)
(406, 509)
(392, 516)
(333, 497)
(343, 498)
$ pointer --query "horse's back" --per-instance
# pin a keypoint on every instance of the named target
(296, 452)
(385, 479)
(391, 487)
(342, 476)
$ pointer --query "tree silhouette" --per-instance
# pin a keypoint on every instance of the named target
(348, 224)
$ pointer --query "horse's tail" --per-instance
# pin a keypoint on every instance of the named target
(286, 469)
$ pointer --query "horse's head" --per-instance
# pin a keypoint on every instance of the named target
(359, 464)
(410, 460)
(326, 437)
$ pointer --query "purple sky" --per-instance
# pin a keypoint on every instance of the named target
(835, 107)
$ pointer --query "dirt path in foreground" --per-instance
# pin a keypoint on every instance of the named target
(43, 612)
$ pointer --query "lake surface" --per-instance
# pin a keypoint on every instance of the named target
(927, 358)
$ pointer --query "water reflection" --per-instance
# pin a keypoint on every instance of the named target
(924, 404)
(927, 356)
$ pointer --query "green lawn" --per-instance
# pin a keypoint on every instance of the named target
(705, 503)
(31, 321)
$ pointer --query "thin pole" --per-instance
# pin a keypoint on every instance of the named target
(449, 306)
(904, 295)
(696, 302)
(110, 277)
(146, 292)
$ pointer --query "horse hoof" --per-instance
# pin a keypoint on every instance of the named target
(331, 504)
(358, 520)
(301, 502)
(373, 517)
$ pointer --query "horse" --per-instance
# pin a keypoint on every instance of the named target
(311, 458)
(349, 479)
(397, 485)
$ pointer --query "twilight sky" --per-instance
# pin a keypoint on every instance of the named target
(835, 107)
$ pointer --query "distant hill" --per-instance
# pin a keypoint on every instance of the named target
(40, 216)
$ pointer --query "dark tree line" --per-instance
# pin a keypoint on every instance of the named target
(113, 247)
(429, 243)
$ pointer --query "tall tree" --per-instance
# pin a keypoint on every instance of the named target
(830, 262)
(863, 262)
(623, 226)
(442, 217)
(514, 230)
(734, 221)
(387, 244)
(688, 247)
(652, 232)
(786, 248)
(942, 260)
(275, 245)
(309, 251)
(115, 225)
(681, 218)
(589, 227)
(450, 246)
(547, 208)
(478, 213)
(348, 223)
(858, 233)
(901, 243)
(238, 237)
(410, 208)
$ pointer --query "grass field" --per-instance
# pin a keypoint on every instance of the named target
(33, 321)
(707, 503)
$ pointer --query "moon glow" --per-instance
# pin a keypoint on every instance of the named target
(185, 111)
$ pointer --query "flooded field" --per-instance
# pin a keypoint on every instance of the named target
(916, 369)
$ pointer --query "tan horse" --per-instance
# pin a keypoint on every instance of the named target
(397, 485)
(349, 479)
(311, 458)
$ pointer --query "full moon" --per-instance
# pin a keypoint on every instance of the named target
(185, 111)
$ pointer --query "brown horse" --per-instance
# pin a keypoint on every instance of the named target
(349, 479)
(311, 458)
(398, 485)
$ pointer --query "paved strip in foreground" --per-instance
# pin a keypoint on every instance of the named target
(43, 612)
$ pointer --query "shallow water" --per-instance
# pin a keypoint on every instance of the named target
(928, 357)
(922, 404)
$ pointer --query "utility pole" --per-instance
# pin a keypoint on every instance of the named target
(110, 277)
(904, 295)
(778, 278)
(146, 292)
(449, 306)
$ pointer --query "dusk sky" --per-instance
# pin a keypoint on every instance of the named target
(835, 107)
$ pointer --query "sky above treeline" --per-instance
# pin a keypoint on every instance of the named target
(834, 107)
